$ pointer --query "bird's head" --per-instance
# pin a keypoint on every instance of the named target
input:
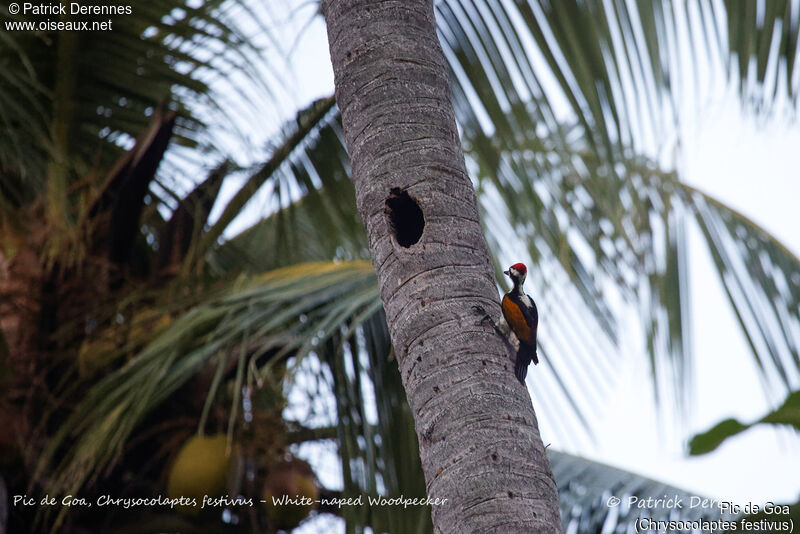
(517, 273)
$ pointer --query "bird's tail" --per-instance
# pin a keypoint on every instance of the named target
(525, 355)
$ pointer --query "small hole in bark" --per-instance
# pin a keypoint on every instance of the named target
(405, 217)
(494, 457)
(349, 54)
(510, 494)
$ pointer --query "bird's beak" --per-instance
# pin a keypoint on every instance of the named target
(507, 273)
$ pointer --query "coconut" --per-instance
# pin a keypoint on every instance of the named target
(200, 468)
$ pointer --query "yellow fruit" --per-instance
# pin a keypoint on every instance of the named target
(293, 479)
(200, 468)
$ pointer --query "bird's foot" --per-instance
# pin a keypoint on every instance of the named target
(480, 311)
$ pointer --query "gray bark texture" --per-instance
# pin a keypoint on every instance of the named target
(479, 442)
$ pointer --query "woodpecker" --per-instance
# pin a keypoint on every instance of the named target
(521, 317)
(519, 311)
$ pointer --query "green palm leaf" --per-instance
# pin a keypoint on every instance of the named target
(574, 183)
(83, 96)
(587, 491)
(261, 312)
(562, 107)
(576, 186)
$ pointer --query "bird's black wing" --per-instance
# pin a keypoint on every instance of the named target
(531, 314)
(532, 318)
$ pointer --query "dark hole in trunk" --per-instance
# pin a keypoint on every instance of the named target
(405, 217)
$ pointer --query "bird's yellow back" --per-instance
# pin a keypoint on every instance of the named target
(516, 319)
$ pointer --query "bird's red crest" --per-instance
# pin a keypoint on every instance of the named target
(520, 267)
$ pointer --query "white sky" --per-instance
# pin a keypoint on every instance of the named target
(753, 169)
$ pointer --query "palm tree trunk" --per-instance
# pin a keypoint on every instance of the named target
(479, 442)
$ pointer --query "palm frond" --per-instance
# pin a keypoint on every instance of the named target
(306, 126)
(82, 101)
(186, 224)
(762, 51)
(376, 438)
(574, 183)
(598, 498)
(564, 107)
(315, 218)
(761, 278)
(264, 312)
